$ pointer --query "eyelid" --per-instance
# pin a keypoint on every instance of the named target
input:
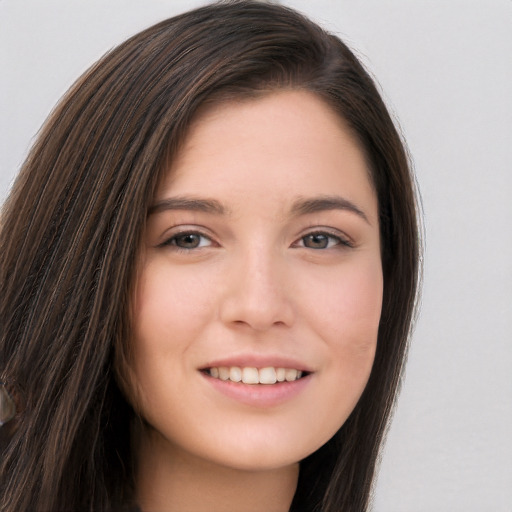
(344, 239)
(177, 231)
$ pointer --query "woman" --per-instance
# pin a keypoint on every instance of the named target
(209, 266)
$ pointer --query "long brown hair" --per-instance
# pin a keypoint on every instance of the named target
(71, 230)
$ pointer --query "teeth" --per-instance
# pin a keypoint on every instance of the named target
(290, 375)
(223, 373)
(235, 374)
(251, 375)
(268, 376)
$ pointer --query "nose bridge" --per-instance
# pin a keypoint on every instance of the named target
(257, 294)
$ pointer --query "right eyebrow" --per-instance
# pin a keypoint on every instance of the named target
(188, 203)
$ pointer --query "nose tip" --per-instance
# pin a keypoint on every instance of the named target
(258, 299)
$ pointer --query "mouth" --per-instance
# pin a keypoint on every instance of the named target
(251, 375)
(258, 384)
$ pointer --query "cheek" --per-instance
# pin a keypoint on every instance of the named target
(344, 314)
(169, 312)
(359, 308)
(347, 319)
(359, 311)
(348, 305)
(165, 303)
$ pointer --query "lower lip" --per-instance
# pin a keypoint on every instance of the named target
(259, 395)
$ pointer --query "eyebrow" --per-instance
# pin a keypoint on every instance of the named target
(188, 203)
(323, 203)
(299, 207)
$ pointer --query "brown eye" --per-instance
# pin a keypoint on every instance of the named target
(188, 240)
(316, 241)
(322, 240)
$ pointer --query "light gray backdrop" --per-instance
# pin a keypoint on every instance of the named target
(445, 67)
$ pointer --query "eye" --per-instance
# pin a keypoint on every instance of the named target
(188, 240)
(322, 240)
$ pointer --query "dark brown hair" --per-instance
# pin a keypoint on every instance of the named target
(71, 230)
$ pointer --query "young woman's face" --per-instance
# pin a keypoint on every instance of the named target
(261, 263)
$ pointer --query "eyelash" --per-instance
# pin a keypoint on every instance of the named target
(171, 242)
(339, 241)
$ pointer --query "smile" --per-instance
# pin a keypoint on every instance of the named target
(252, 375)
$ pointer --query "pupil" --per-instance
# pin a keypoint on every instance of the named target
(189, 241)
(317, 241)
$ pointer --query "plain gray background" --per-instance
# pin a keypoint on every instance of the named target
(445, 67)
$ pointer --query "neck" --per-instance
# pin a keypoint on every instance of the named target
(170, 480)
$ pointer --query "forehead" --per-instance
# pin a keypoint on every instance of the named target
(286, 144)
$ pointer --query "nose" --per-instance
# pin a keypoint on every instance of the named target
(257, 294)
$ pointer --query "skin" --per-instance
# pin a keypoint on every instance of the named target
(252, 281)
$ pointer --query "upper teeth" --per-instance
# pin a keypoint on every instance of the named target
(250, 375)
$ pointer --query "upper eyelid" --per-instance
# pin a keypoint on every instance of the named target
(342, 241)
(183, 230)
(187, 228)
(330, 231)
(206, 233)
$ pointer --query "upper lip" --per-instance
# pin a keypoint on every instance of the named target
(258, 361)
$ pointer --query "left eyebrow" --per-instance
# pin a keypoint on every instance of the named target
(322, 203)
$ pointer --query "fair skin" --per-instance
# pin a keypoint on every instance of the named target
(262, 262)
